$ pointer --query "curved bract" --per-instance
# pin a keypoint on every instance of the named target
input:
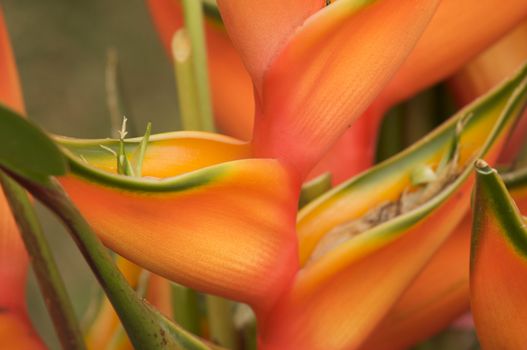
(217, 229)
(498, 265)
(260, 29)
(350, 286)
(329, 72)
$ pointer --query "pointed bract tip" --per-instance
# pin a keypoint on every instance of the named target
(482, 167)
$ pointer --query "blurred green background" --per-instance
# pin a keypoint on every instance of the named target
(61, 51)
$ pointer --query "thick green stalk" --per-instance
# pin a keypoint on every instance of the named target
(49, 279)
(193, 16)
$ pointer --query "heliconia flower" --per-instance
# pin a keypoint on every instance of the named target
(16, 331)
(498, 264)
(355, 151)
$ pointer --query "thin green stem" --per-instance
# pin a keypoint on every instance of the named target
(221, 322)
(142, 151)
(114, 94)
(193, 15)
(185, 308)
(49, 279)
(188, 100)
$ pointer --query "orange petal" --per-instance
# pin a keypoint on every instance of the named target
(232, 92)
(329, 72)
(218, 229)
(498, 265)
(481, 23)
(260, 29)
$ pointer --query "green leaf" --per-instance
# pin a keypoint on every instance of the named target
(26, 150)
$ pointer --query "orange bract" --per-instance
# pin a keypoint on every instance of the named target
(498, 265)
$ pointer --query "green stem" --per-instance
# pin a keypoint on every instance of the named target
(188, 100)
(114, 95)
(221, 322)
(49, 279)
(193, 15)
(185, 308)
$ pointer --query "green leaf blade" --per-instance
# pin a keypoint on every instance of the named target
(26, 150)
